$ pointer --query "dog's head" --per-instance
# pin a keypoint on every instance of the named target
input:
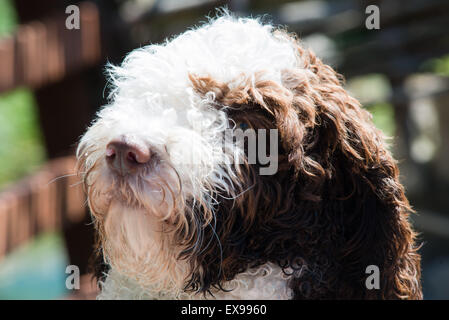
(231, 146)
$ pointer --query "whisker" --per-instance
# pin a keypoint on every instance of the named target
(76, 184)
(61, 177)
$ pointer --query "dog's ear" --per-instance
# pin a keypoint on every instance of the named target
(343, 166)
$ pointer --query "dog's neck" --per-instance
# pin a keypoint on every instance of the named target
(267, 282)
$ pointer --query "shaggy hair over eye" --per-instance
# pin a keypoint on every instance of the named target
(334, 206)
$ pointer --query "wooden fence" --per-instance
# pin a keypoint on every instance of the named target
(44, 51)
(50, 199)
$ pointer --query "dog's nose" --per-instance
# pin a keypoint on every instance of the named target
(125, 156)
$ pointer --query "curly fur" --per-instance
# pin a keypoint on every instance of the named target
(334, 207)
(267, 282)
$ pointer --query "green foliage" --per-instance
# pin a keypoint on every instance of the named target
(20, 137)
(373, 90)
(21, 148)
(438, 65)
(383, 117)
(8, 19)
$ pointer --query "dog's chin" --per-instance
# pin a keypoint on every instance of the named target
(139, 244)
(137, 217)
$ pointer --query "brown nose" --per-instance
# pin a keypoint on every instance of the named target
(125, 156)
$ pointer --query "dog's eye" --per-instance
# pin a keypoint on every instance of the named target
(243, 125)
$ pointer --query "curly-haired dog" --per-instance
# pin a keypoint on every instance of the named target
(183, 212)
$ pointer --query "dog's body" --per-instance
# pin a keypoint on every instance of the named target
(182, 212)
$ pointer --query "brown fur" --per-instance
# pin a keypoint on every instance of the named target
(335, 205)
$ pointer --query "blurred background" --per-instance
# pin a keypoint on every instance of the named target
(52, 82)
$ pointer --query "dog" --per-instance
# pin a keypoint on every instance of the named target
(301, 208)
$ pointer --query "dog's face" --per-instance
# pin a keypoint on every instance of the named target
(178, 198)
(165, 150)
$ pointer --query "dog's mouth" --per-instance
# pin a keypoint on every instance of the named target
(153, 188)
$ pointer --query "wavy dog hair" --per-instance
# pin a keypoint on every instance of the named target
(334, 207)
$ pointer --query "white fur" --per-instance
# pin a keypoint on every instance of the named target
(267, 282)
